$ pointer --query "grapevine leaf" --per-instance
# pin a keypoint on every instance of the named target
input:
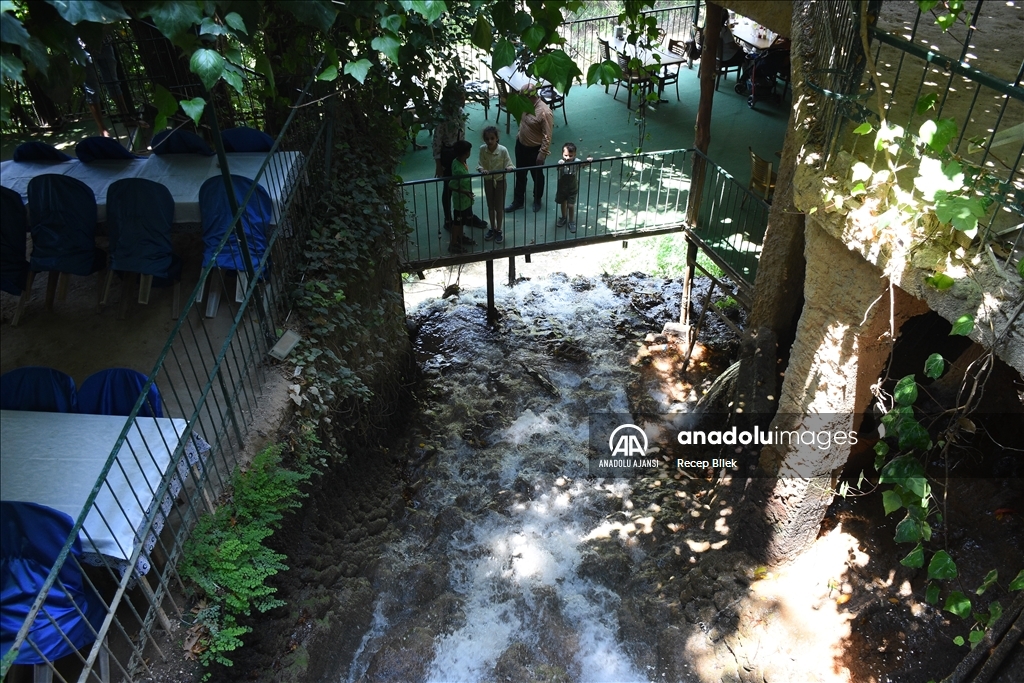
(990, 579)
(906, 391)
(891, 502)
(931, 596)
(358, 69)
(942, 566)
(1018, 583)
(194, 108)
(940, 281)
(963, 326)
(909, 531)
(934, 366)
(208, 65)
(975, 637)
(958, 603)
(915, 558)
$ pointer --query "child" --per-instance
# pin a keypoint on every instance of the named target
(568, 186)
(495, 160)
(462, 196)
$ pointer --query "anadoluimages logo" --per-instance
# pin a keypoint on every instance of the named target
(627, 441)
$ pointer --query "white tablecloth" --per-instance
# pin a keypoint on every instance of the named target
(55, 459)
(182, 174)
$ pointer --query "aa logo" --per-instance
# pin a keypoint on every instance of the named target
(628, 441)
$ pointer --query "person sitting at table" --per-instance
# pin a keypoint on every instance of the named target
(449, 128)
(729, 53)
(533, 143)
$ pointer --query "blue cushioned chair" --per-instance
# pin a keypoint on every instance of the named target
(38, 388)
(39, 151)
(139, 217)
(13, 266)
(115, 391)
(31, 538)
(179, 142)
(216, 213)
(244, 139)
(63, 231)
(100, 148)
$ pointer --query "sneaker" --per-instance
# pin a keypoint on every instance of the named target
(536, 205)
(572, 227)
(490, 235)
(514, 206)
(480, 223)
(498, 238)
(560, 223)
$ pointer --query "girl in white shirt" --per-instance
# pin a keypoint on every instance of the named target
(495, 160)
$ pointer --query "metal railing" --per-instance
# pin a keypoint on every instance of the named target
(163, 473)
(988, 109)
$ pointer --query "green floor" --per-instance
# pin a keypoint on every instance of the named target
(603, 127)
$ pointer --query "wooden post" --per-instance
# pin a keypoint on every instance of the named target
(492, 314)
(511, 270)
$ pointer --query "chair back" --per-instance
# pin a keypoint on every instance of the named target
(677, 47)
(606, 50)
(179, 142)
(63, 224)
(13, 226)
(140, 213)
(39, 151)
(38, 388)
(243, 139)
(115, 391)
(100, 148)
(216, 212)
(502, 88)
(761, 181)
(31, 538)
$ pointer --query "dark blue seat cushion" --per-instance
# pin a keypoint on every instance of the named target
(244, 139)
(39, 151)
(139, 217)
(38, 388)
(13, 227)
(179, 142)
(115, 391)
(99, 148)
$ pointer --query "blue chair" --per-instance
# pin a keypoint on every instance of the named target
(100, 148)
(31, 538)
(115, 391)
(63, 231)
(179, 142)
(39, 151)
(244, 139)
(37, 388)
(13, 266)
(139, 217)
(216, 214)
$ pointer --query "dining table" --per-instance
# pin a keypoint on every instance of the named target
(182, 174)
(752, 37)
(648, 55)
(57, 459)
(516, 77)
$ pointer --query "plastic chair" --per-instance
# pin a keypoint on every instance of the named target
(13, 266)
(762, 178)
(217, 221)
(179, 142)
(244, 139)
(100, 148)
(31, 539)
(38, 388)
(63, 232)
(503, 94)
(630, 78)
(115, 391)
(39, 151)
(139, 217)
(554, 100)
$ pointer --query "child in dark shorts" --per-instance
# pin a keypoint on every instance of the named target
(568, 186)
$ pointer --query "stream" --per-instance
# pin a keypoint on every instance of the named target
(496, 576)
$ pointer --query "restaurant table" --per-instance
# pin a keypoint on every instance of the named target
(648, 56)
(55, 459)
(182, 174)
(753, 37)
(517, 78)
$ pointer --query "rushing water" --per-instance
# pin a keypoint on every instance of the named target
(485, 584)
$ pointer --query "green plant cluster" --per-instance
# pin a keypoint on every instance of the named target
(226, 559)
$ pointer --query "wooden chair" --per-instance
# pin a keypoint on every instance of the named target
(631, 78)
(554, 100)
(670, 74)
(762, 177)
(735, 63)
(479, 92)
(503, 94)
(606, 54)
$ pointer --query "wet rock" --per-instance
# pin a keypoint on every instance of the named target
(403, 658)
(423, 583)
(448, 522)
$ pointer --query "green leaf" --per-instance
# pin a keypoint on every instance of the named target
(959, 640)
(319, 14)
(392, 23)
(913, 435)
(358, 69)
(98, 11)
(942, 566)
(194, 108)
(504, 54)
(891, 501)
(908, 472)
(926, 102)
(233, 76)
(328, 74)
(906, 391)
(934, 366)
(209, 27)
(938, 134)
(603, 73)
(975, 637)
(915, 558)
(880, 457)
(863, 129)
(12, 67)
(174, 18)
(388, 44)
(931, 596)
(958, 603)
(235, 21)
(208, 65)
(909, 531)
(881, 448)
(945, 21)
(482, 33)
(1018, 583)
(963, 326)
(927, 5)
(165, 105)
(558, 69)
(933, 177)
(430, 9)
(264, 67)
(961, 212)
(534, 36)
(940, 281)
(32, 49)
